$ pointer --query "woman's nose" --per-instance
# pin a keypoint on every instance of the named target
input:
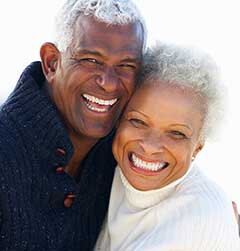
(152, 144)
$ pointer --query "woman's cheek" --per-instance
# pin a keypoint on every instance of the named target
(123, 136)
(117, 145)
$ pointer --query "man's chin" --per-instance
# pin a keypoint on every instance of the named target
(96, 133)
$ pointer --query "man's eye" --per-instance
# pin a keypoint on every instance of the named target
(137, 122)
(89, 60)
(128, 66)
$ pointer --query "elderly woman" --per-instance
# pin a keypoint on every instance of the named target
(160, 200)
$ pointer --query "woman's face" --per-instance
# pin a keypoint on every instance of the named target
(158, 135)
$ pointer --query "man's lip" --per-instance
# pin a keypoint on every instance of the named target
(99, 100)
(96, 107)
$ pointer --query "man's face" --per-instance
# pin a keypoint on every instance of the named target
(95, 76)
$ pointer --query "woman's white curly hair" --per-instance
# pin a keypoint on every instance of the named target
(108, 11)
(187, 66)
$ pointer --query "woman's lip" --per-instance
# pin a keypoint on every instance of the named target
(143, 158)
(142, 171)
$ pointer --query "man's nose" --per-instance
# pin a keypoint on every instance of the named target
(108, 80)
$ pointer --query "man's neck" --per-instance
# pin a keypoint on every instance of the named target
(82, 145)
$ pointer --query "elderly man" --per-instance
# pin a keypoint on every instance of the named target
(56, 165)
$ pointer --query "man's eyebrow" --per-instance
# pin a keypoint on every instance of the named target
(84, 52)
(131, 60)
(128, 58)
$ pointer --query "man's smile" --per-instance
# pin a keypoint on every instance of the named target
(98, 105)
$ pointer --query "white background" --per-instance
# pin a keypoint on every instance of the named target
(212, 25)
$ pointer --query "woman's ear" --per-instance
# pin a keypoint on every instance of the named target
(49, 54)
(198, 149)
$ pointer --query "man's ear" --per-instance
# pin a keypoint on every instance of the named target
(49, 54)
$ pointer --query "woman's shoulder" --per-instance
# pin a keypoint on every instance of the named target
(206, 202)
(201, 188)
(200, 212)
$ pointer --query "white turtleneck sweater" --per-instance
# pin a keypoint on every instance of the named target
(190, 214)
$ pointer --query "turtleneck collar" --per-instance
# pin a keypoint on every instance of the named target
(145, 199)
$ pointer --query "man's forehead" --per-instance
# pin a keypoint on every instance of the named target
(100, 38)
(96, 29)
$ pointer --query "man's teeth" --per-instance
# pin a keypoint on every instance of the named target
(151, 166)
(96, 109)
(100, 101)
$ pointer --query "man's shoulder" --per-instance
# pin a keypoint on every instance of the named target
(7, 138)
(12, 138)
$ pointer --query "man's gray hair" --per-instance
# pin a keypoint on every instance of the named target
(119, 12)
(187, 66)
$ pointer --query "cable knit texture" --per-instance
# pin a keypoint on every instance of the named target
(32, 212)
(190, 214)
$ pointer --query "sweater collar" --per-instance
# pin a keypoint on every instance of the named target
(30, 108)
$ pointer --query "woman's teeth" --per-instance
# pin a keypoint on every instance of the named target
(150, 166)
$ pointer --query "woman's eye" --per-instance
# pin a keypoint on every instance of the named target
(137, 122)
(178, 134)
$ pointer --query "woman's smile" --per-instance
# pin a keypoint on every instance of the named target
(145, 166)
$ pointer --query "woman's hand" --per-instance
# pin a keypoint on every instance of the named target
(236, 215)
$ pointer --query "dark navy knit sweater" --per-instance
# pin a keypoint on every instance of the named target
(32, 212)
